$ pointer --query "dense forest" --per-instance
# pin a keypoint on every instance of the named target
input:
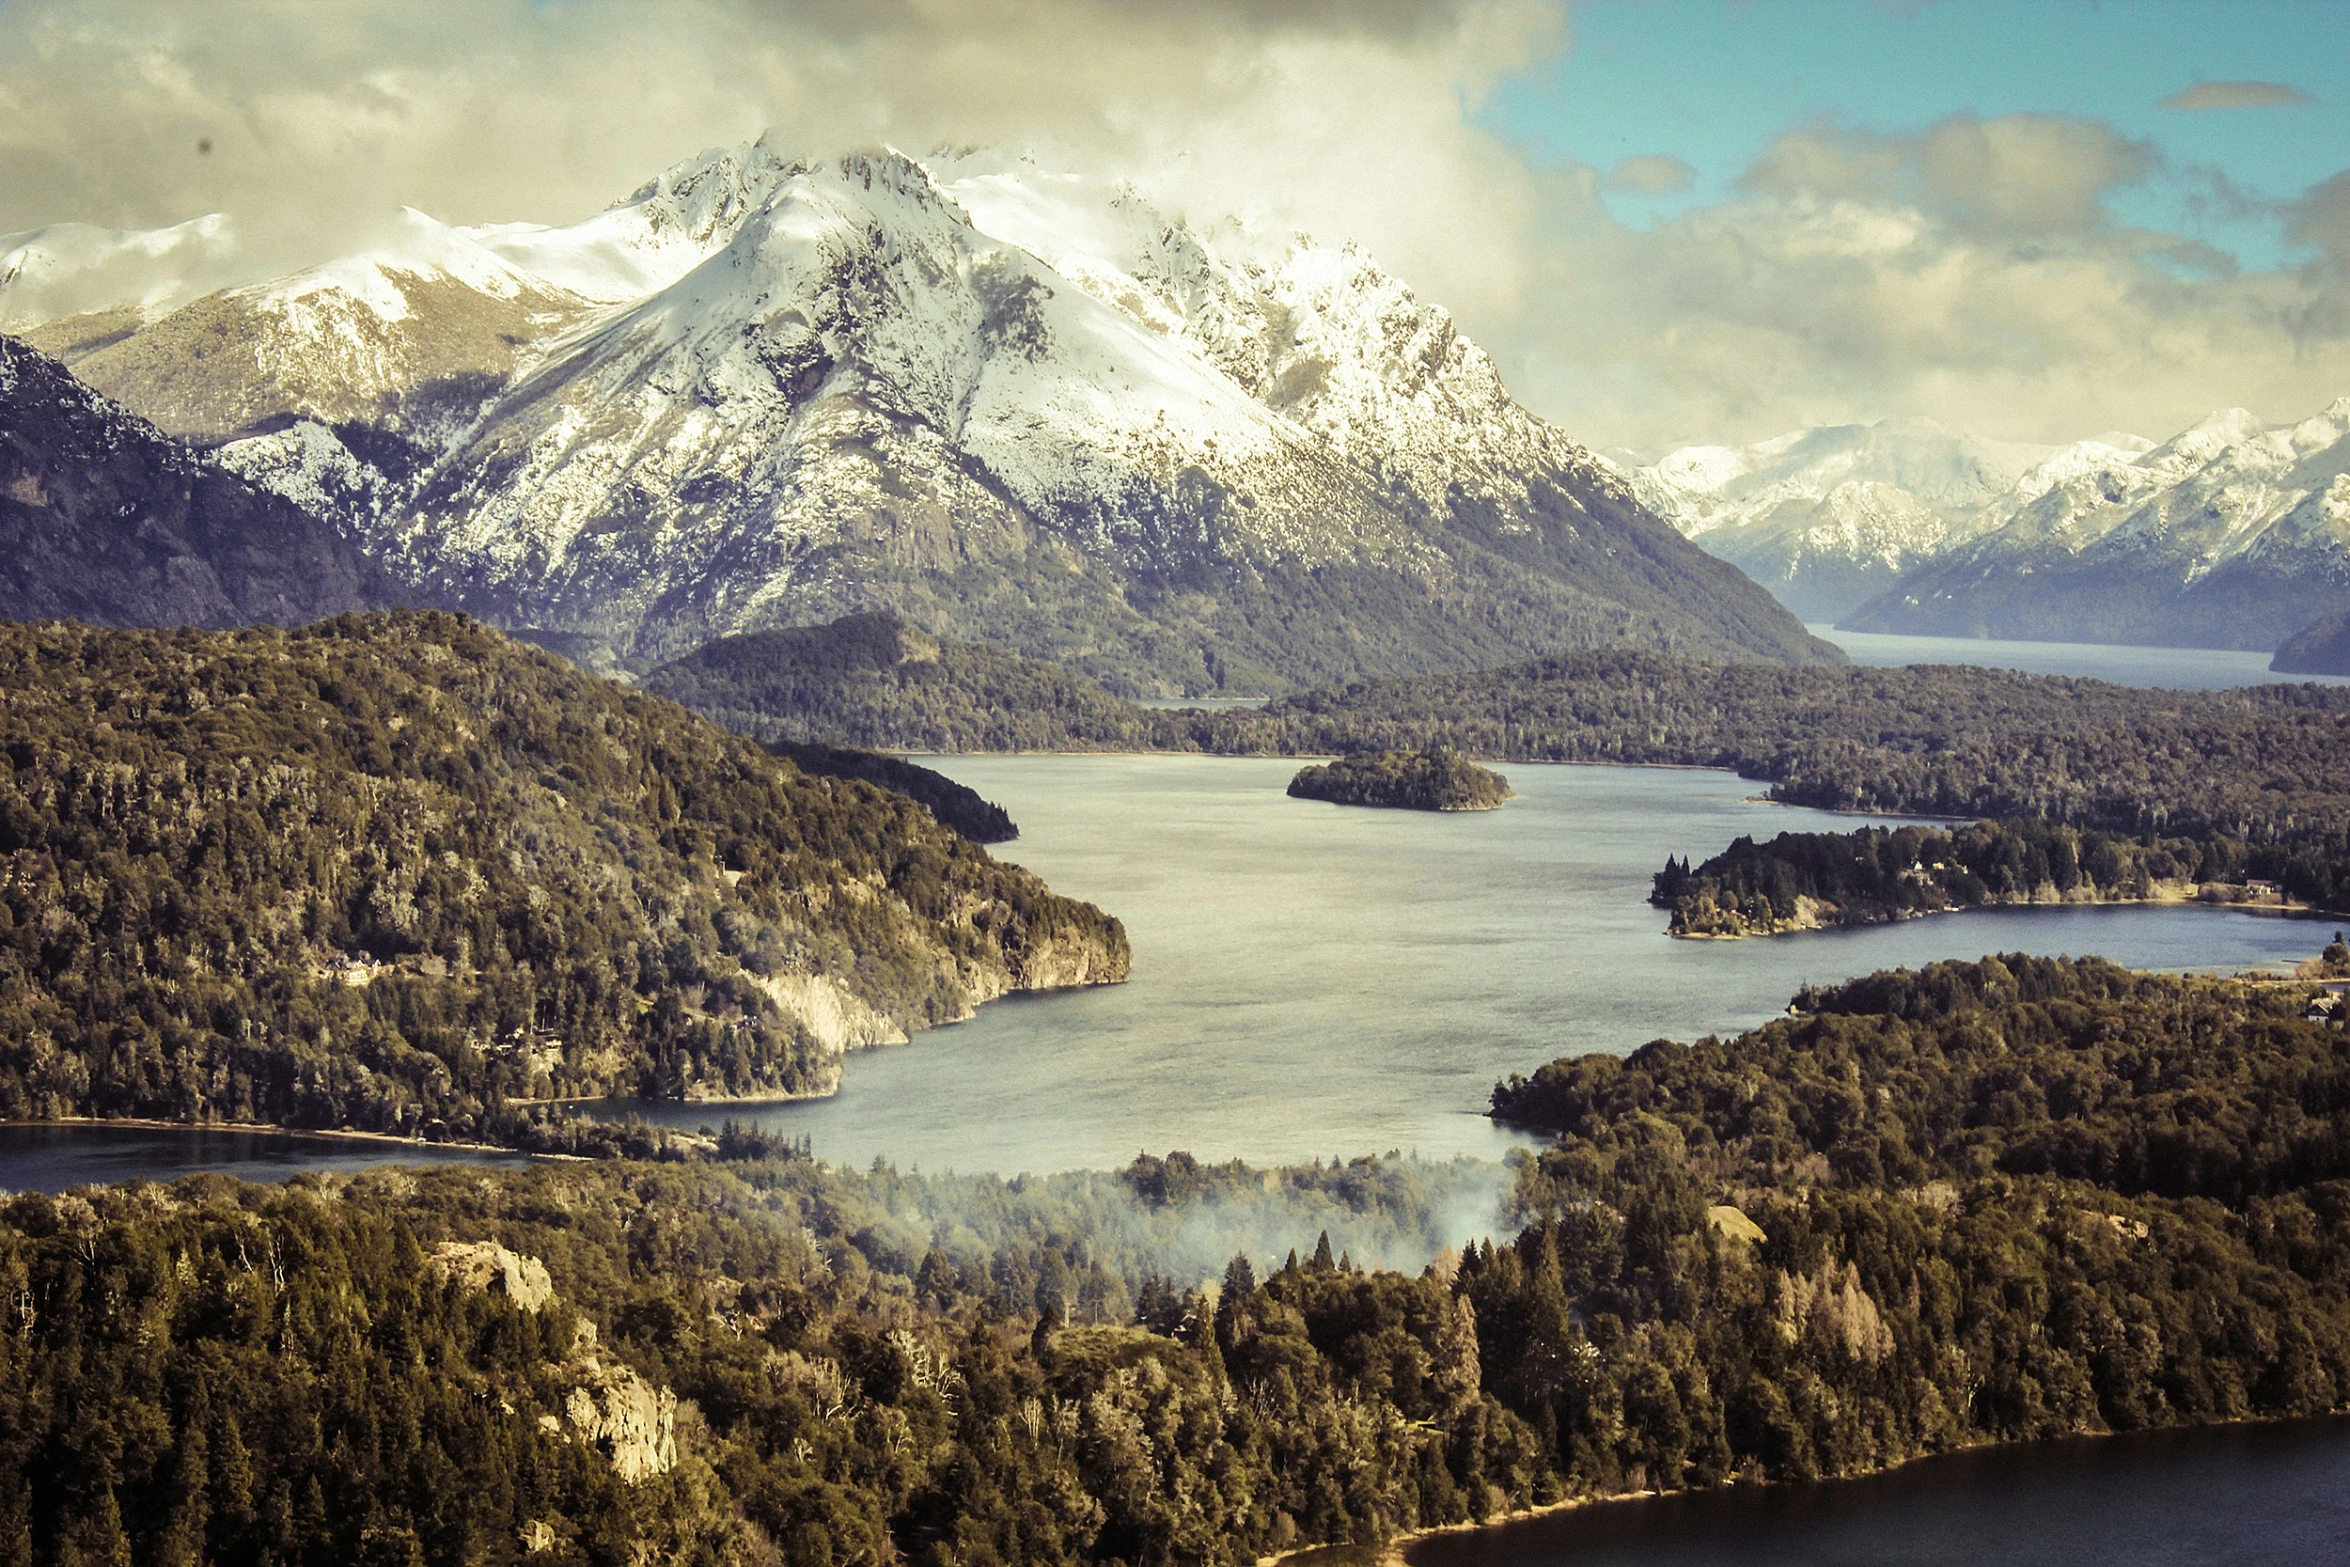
(398, 873)
(1408, 780)
(873, 681)
(1991, 1201)
(959, 808)
(1807, 880)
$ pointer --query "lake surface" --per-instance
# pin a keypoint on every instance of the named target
(53, 1158)
(2172, 668)
(1314, 980)
(2234, 1496)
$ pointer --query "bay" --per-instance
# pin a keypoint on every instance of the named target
(1316, 981)
(2226, 1496)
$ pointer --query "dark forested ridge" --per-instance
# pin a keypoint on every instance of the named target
(874, 681)
(1407, 780)
(396, 872)
(958, 807)
(1995, 1201)
(104, 518)
(2320, 648)
(1807, 880)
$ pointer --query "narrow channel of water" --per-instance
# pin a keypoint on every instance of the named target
(2170, 668)
(51, 1158)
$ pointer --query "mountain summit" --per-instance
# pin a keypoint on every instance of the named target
(1010, 405)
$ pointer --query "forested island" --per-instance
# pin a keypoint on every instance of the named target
(1407, 780)
(1985, 1202)
(394, 872)
(1807, 881)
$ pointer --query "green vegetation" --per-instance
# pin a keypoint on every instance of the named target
(873, 681)
(398, 873)
(1412, 780)
(2250, 780)
(2254, 777)
(1993, 1201)
(958, 807)
(1806, 880)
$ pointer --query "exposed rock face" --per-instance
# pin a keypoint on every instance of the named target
(486, 1265)
(610, 1406)
(104, 519)
(633, 1422)
(1011, 406)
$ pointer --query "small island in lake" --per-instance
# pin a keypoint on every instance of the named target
(1410, 780)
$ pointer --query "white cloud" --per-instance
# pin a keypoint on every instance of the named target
(2236, 95)
(1971, 271)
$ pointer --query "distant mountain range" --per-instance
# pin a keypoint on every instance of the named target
(2232, 534)
(1008, 404)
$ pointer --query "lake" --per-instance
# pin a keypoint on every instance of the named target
(1314, 980)
(2172, 668)
(2229, 1496)
(53, 1158)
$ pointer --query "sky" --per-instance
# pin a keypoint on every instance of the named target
(1671, 221)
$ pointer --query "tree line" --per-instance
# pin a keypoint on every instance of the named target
(2013, 1199)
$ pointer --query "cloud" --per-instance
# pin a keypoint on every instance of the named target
(1652, 174)
(2236, 95)
(324, 120)
(1970, 272)
(2019, 174)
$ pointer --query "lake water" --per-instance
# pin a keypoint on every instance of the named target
(53, 1158)
(1314, 980)
(2234, 1496)
(2172, 668)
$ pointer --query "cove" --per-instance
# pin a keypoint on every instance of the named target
(1314, 980)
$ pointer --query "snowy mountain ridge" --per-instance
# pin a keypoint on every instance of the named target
(2233, 533)
(1006, 403)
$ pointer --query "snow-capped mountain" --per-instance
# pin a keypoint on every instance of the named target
(1007, 404)
(2232, 534)
(71, 269)
(1827, 518)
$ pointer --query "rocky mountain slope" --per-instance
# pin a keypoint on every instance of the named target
(105, 519)
(2232, 534)
(397, 872)
(1828, 518)
(1010, 405)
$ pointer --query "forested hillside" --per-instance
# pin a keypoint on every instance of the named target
(872, 680)
(1807, 880)
(396, 872)
(1984, 1202)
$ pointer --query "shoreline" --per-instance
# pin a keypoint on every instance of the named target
(2279, 910)
(1393, 1552)
(149, 1123)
